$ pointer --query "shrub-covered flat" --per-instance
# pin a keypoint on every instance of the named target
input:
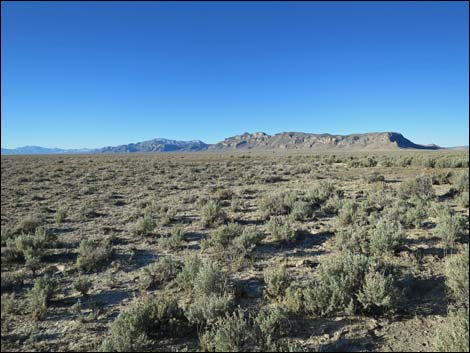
(235, 251)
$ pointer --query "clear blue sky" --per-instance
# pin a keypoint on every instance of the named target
(95, 74)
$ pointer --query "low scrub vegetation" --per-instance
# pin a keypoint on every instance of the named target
(285, 251)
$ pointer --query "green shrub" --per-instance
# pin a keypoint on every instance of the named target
(339, 280)
(293, 300)
(224, 235)
(453, 335)
(282, 229)
(12, 280)
(169, 216)
(463, 199)
(89, 211)
(224, 194)
(32, 261)
(461, 182)
(192, 264)
(374, 177)
(378, 293)
(92, 254)
(237, 205)
(33, 244)
(354, 239)
(144, 225)
(232, 333)
(301, 211)
(60, 215)
(212, 214)
(320, 193)
(409, 215)
(449, 228)
(29, 223)
(144, 320)
(205, 310)
(385, 237)
(38, 297)
(7, 234)
(8, 304)
(457, 277)
(129, 332)
(441, 178)
(347, 214)
(272, 324)
(332, 205)
(248, 240)
(277, 204)
(163, 270)
(175, 240)
(420, 187)
(209, 280)
(83, 285)
(277, 281)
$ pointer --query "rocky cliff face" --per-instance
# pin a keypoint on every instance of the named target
(301, 140)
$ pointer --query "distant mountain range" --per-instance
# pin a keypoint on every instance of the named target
(44, 150)
(256, 141)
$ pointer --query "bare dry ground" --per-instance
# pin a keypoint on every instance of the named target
(260, 222)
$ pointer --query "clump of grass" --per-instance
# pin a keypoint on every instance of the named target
(60, 215)
(169, 216)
